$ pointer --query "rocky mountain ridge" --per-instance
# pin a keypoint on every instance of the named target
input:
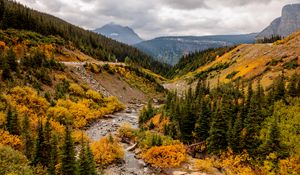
(285, 25)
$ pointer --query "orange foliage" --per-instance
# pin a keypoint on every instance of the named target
(27, 101)
(96, 96)
(11, 140)
(2, 119)
(231, 163)
(106, 151)
(290, 166)
(78, 135)
(159, 122)
(76, 89)
(166, 156)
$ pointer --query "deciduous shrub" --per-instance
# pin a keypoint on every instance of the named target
(10, 140)
(75, 89)
(106, 151)
(166, 156)
(13, 162)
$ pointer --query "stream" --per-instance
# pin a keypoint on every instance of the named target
(110, 124)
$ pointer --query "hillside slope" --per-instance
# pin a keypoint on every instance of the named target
(17, 16)
(77, 65)
(170, 49)
(247, 62)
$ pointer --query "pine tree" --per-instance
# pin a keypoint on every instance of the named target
(1, 9)
(91, 160)
(252, 125)
(26, 134)
(279, 93)
(236, 142)
(83, 162)
(6, 74)
(40, 156)
(217, 135)
(202, 126)
(272, 143)
(292, 87)
(12, 123)
(11, 60)
(53, 155)
(86, 160)
(47, 141)
(68, 162)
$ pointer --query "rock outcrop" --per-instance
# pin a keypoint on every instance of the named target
(288, 23)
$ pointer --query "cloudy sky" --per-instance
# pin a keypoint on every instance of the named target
(152, 18)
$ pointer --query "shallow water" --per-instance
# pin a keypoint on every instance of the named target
(131, 165)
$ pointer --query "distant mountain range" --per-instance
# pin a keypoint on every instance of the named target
(285, 25)
(119, 33)
(171, 49)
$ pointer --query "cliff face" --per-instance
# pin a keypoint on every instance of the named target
(285, 25)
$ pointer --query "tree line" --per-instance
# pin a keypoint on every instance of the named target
(228, 116)
(17, 16)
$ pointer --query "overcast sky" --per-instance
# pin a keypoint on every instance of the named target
(152, 18)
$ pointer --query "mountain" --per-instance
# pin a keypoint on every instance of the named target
(285, 25)
(119, 33)
(17, 16)
(170, 49)
(246, 62)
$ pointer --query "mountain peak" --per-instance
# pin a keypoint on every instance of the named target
(120, 33)
(285, 25)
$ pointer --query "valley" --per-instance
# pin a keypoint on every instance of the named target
(75, 102)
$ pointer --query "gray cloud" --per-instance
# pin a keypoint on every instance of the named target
(167, 17)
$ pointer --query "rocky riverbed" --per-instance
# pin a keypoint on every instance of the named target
(110, 124)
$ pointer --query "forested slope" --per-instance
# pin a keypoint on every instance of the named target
(17, 16)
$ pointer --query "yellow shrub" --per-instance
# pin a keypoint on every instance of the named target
(96, 96)
(113, 104)
(2, 119)
(76, 89)
(232, 164)
(290, 166)
(166, 156)
(27, 101)
(126, 131)
(106, 151)
(11, 140)
(205, 165)
(78, 135)
(236, 164)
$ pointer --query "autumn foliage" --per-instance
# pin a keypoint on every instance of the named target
(106, 151)
(166, 156)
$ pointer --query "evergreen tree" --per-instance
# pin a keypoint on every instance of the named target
(86, 160)
(272, 143)
(292, 87)
(202, 126)
(40, 155)
(236, 142)
(26, 134)
(47, 141)
(1, 10)
(6, 74)
(279, 88)
(68, 162)
(252, 124)
(91, 160)
(53, 155)
(217, 135)
(11, 60)
(12, 124)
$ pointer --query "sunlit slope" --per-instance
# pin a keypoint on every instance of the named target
(248, 62)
